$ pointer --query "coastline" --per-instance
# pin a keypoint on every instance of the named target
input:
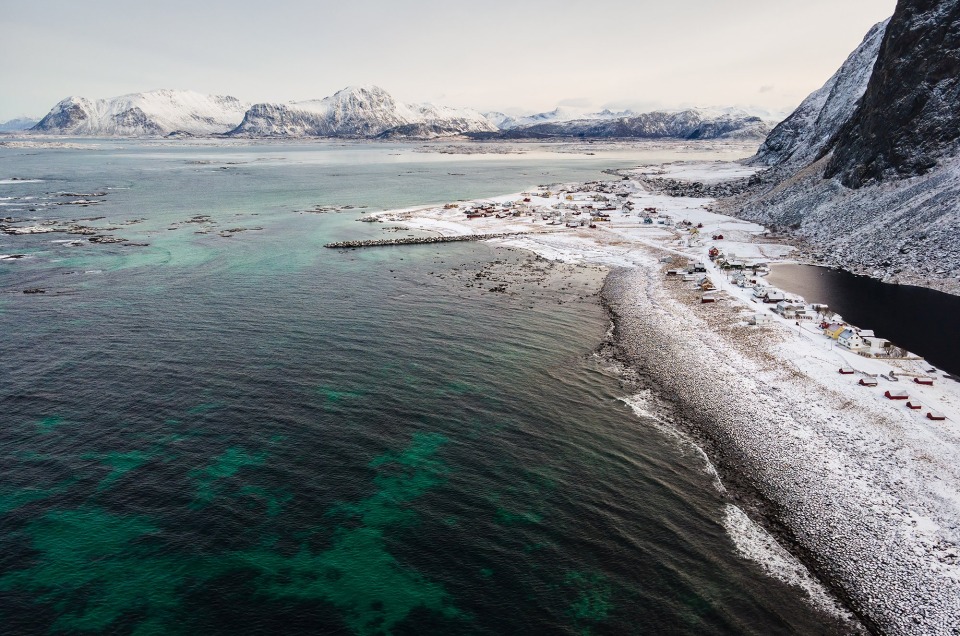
(840, 479)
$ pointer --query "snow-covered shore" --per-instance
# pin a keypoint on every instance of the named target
(864, 490)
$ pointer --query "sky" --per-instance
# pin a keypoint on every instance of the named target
(518, 56)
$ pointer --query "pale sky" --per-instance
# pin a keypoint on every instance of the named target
(519, 55)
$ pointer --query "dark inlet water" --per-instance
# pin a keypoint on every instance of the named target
(249, 434)
(924, 321)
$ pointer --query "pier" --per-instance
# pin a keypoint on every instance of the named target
(420, 240)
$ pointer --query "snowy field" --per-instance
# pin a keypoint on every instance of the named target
(868, 488)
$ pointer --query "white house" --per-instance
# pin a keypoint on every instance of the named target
(851, 340)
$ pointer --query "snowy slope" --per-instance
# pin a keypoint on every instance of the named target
(153, 113)
(360, 112)
(802, 136)
(18, 124)
(866, 170)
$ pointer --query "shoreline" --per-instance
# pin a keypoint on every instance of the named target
(866, 502)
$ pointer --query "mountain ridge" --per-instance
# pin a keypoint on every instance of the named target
(868, 175)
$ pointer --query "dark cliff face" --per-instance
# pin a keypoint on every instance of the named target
(910, 113)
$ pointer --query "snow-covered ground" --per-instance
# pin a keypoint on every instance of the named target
(868, 489)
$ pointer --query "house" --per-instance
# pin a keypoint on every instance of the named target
(774, 297)
(846, 371)
(877, 345)
(761, 319)
(868, 382)
(936, 416)
(850, 339)
(705, 284)
(708, 297)
(913, 404)
(788, 308)
(834, 330)
(759, 291)
(896, 395)
(699, 267)
(924, 381)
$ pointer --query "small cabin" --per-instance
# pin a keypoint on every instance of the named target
(936, 416)
(868, 382)
(924, 381)
(846, 371)
(708, 298)
(896, 395)
(914, 405)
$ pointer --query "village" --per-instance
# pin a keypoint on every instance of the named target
(724, 259)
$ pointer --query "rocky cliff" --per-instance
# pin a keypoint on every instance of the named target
(865, 171)
(909, 116)
(802, 137)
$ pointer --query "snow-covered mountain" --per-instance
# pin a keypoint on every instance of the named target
(359, 112)
(154, 113)
(685, 124)
(559, 114)
(867, 171)
(18, 124)
(801, 137)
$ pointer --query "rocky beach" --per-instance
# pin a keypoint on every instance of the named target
(852, 498)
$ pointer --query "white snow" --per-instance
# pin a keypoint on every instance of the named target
(159, 112)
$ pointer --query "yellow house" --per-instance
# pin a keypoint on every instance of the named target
(834, 330)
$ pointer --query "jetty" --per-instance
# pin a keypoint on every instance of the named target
(419, 240)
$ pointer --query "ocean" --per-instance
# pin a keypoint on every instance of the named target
(221, 427)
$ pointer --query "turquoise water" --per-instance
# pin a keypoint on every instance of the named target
(251, 434)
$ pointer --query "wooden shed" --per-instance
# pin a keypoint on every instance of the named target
(913, 404)
(924, 381)
(868, 381)
(896, 395)
(936, 416)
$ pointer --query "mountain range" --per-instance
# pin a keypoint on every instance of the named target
(867, 170)
(369, 112)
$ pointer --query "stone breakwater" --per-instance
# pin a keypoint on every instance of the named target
(831, 479)
(421, 240)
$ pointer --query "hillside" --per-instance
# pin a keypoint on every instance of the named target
(869, 177)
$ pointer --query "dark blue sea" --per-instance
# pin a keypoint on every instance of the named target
(232, 430)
